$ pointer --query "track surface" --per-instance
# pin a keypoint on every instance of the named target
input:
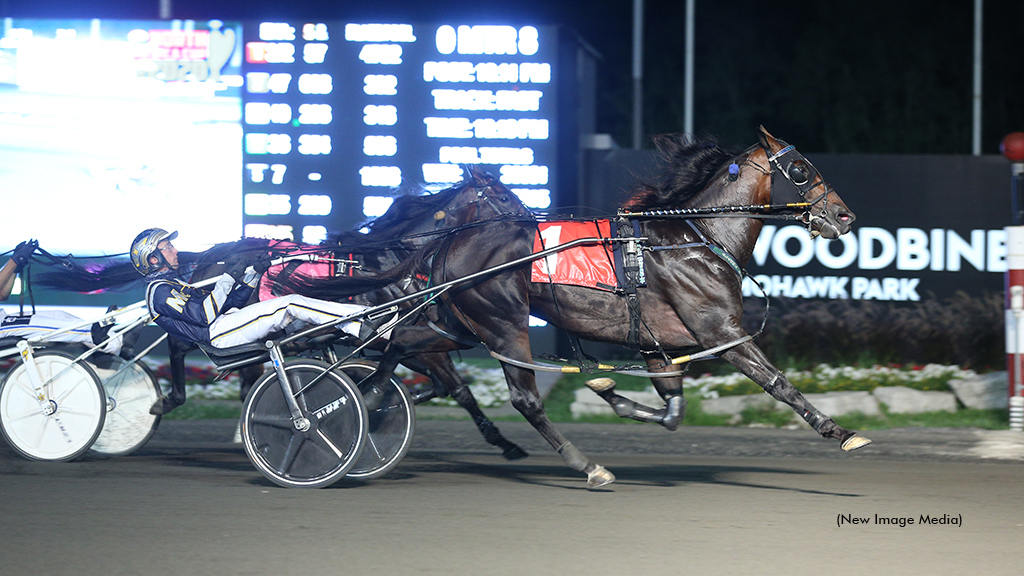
(695, 501)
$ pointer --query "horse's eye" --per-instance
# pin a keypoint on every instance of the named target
(798, 173)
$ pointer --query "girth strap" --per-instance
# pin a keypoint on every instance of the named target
(633, 275)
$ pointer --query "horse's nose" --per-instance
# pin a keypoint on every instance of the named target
(845, 217)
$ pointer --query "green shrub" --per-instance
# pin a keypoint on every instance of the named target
(964, 330)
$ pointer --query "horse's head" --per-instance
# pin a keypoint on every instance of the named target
(480, 196)
(795, 179)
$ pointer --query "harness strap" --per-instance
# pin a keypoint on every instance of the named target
(728, 259)
(716, 249)
(450, 336)
(276, 289)
(633, 276)
(711, 351)
(607, 368)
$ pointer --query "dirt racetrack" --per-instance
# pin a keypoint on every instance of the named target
(695, 501)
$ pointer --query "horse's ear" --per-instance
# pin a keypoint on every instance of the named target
(477, 176)
(766, 140)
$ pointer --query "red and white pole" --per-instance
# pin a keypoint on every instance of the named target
(1012, 148)
(1015, 324)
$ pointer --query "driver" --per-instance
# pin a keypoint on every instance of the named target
(220, 316)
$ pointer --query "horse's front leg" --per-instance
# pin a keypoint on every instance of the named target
(751, 361)
(177, 351)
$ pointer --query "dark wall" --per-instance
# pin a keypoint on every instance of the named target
(926, 225)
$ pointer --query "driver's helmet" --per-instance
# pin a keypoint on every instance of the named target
(145, 245)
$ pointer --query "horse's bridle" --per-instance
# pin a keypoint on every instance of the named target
(482, 197)
(803, 177)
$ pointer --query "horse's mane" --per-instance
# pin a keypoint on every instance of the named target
(243, 251)
(688, 166)
(92, 275)
(97, 275)
(404, 215)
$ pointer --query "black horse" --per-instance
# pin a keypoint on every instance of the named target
(692, 266)
(411, 222)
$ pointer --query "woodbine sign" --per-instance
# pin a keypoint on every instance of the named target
(902, 254)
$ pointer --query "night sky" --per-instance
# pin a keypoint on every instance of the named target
(869, 77)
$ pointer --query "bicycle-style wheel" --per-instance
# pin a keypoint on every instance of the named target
(63, 421)
(392, 422)
(311, 458)
(130, 393)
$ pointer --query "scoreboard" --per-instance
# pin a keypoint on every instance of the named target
(338, 115)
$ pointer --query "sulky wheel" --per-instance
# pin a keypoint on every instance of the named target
(62, 421)
(325, 451)
(130, 393)
(392, 421)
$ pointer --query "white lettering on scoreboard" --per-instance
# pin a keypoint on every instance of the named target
(276, 124)
(338, 115)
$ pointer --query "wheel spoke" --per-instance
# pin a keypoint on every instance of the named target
(25, 389)
(42, 431)
(67, 391)
(137, 398)
(75, 412)
(34, 412)
(63, 429)
(372, 444)
(281, 421)
(337, 451)
(292, 451)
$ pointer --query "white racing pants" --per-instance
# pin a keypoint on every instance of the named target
(47, 322)
(255, 321)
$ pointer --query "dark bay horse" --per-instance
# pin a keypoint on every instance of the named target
(692, 299)
(411, 222)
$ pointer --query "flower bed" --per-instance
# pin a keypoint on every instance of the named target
(489, 388)
(487, 384)
(824, 378)
(200, 382)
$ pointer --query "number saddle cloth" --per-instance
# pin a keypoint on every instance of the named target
(614, 267)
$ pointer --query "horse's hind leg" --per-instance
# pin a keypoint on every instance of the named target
(526, 399)
(176, 358)
(248, 376)
(751, 361)
(441, 369)
(669, 388)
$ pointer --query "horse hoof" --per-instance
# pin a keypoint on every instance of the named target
(601, 384)
(514, 453)
(854, 442)
(599, 477)
(164, 405)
